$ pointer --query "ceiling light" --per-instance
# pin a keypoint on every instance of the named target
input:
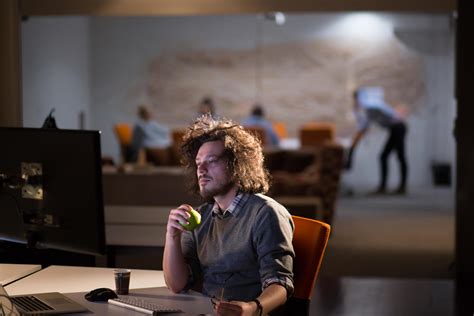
(277, 17)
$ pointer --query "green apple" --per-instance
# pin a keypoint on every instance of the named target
(194, 220)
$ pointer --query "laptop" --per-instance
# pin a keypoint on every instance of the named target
(38, 304)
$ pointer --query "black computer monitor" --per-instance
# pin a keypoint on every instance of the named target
(51, 189)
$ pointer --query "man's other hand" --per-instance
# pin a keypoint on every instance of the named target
(236, 308)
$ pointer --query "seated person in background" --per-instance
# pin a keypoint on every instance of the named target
(242, 252)
(257, 118)
(207, 105)
(147, 133)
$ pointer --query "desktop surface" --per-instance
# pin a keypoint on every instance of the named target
(332, 296)
(12, 272)
(67, 279)
(75, 282)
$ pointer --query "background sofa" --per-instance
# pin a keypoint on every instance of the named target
(312, 171)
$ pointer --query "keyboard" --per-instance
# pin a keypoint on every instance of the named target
(30, 304)
(142, 306)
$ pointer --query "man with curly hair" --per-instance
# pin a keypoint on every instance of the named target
(242, 253)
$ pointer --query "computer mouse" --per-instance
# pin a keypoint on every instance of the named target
(100, 295)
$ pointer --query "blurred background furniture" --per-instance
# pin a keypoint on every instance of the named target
(304, 206)
(137, 202)
(159, 156)
(280, 129)
(259, 132)
(316, 133)
(308, 179)
(124, 134)
(177, 135)
(169, 156)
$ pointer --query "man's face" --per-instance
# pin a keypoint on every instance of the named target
(212, 171)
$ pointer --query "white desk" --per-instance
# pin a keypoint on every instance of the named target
(144, 284)
(12, 272)
(67, 279)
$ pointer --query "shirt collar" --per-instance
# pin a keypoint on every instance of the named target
(234, 207)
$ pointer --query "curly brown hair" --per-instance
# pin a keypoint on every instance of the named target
(243, 151)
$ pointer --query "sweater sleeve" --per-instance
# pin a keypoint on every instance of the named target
(188, 247)
(273, 234)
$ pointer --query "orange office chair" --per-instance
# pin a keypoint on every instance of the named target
(280, 129)
(309, 242)
(123, 131)
(177, 135)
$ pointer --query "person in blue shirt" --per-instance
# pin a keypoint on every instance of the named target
(147, 133)
(257, 119)
(369, 106)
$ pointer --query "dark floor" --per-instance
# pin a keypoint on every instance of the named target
(389, 255)
(393, 236)
(355, 296)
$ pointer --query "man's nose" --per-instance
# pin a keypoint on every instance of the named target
(201, 168)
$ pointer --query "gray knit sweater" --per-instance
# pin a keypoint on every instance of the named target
(243, 252)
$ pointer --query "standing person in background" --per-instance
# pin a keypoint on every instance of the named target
(147, 133)
(369, 106)
(257, 118)
(242, 253)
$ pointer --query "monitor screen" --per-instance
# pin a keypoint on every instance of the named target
(51, 189)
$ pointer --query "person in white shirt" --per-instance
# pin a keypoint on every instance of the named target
(147, 133)
(369, 106)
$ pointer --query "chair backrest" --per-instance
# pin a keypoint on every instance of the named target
(280, 129)
(177, 135)
(309, 242)
(317, 133)
(123, 131)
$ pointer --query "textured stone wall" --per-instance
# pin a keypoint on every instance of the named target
(297, 82)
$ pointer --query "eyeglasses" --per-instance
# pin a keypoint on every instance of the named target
(211, 162)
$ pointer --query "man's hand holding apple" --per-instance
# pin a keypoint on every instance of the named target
(181, 219)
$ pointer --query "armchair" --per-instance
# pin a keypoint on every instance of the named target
(311, 174)
(310, 240)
